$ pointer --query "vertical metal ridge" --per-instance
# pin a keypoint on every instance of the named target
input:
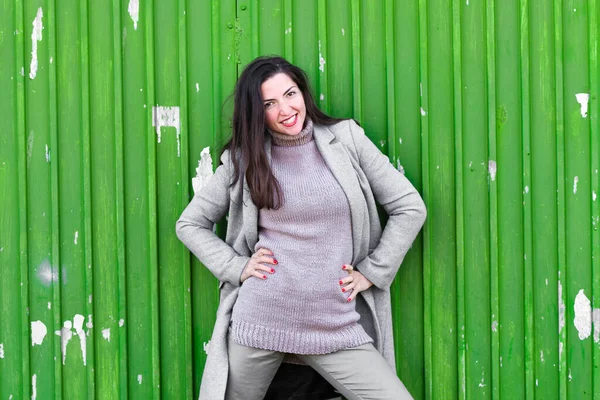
(288, 19)
(561, 197)
(390, 79)
(87, 192)
(322, 81)
(152, 204)
(427, 307)
(23, 238)
(460, 214)
(54, 185)
(527, 217)
(594, 174)
(216, 53)
(356, 60)
(493, 197)
(184, 189)
(255, 30)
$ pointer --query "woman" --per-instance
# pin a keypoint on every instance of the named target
(305, 268)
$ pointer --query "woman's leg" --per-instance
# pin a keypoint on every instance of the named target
(250, 371)
(359, 373)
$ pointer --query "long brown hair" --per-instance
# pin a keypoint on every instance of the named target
(249, 130)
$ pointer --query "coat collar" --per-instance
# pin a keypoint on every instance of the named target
(337, 159)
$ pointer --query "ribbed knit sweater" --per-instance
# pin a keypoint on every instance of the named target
(300, 309)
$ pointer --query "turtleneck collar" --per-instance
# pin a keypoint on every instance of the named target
(303, 137)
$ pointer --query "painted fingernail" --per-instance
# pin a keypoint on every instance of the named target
(341, 283)
(349, 299)
(264, 277)
(275, 262)
(272, 270)
(344, 290)
(343, 267)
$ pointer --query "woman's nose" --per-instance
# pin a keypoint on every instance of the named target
(284, 109)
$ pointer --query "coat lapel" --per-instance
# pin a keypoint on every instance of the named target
(337, 159)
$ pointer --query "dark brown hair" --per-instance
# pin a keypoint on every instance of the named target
(249, 130)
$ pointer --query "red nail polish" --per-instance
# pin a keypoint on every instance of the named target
(272, 270)
(341, 283)
(349, 300)
(344, 290)
(275, 262)
(343, 267)
(264, 277)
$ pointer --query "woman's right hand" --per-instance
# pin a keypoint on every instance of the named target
(256, 267)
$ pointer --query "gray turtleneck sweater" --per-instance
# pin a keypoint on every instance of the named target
(301, 309)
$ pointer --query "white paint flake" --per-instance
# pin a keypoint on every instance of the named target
(321, 59)
(36, 36)
(542, 355)
(33, 387)
(204, 171)
(1, 350)
(575, 182)
(561, 345)
(570, 376)
(399, 166)
(322, 97)
(583, 315)
(121, 322)
(47, 274)
(134, 12)
(78, 326)
(495, 326)
(343, 32)
(49, 306)
(106, 334)
(76, 236)
(65, 334)
(166, 117)
(536, 383)
(594, 195)
(90, 299)
(546, 281)
(561, 308)
(197, 87)
(50, 60)
(289, 29)
(482, 383)
(206, 346)
(492, 169)
(22, 71)
(583, 100)
(139, 379)
(423, 113)
(38, 332)
(526, 189)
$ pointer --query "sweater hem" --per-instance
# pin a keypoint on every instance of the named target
(315, 342)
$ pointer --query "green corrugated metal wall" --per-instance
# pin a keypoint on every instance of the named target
(490, 107)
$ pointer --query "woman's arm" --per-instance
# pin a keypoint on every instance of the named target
(195, 227)
(402, 203)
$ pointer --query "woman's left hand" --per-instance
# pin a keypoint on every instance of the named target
(355, 282)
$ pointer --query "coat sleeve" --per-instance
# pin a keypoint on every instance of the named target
(195, 227)
(402, 203)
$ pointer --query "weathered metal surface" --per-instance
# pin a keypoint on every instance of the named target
(489, 107)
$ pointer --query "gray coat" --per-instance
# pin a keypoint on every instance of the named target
(366, 176)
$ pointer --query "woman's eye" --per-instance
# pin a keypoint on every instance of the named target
(290, 94)
(269, 104)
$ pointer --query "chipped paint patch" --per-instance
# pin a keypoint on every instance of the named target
(1, 350)
(542, 355)
(583, 315)
(206, 346)
(596, 322)
(139, 379)
(575, 182)
(36, 36)
(134, 12)
(561, 345)
(492, 168)
(594, 195)
(322, 61)
(322, 97)
(38, 332)
(423, 113)
(343, 32)
(106, 334)
(167, 117)
(289, 29)
(78, 326)
(495, 326)
(583, 100)
(121, 322)
(30, 139)
(197, 87)
(76, 236)
(47, 154)
(526, 189)
(399, 166)
(204, 171)
(47, 274)
(561, 308)
(33, 387)
(65, 334)
(49, 306)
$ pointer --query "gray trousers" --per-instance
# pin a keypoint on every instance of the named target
(359, 373)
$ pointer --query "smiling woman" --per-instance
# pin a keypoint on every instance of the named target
(303, 242)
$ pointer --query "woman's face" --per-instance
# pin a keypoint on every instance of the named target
(284, 104)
